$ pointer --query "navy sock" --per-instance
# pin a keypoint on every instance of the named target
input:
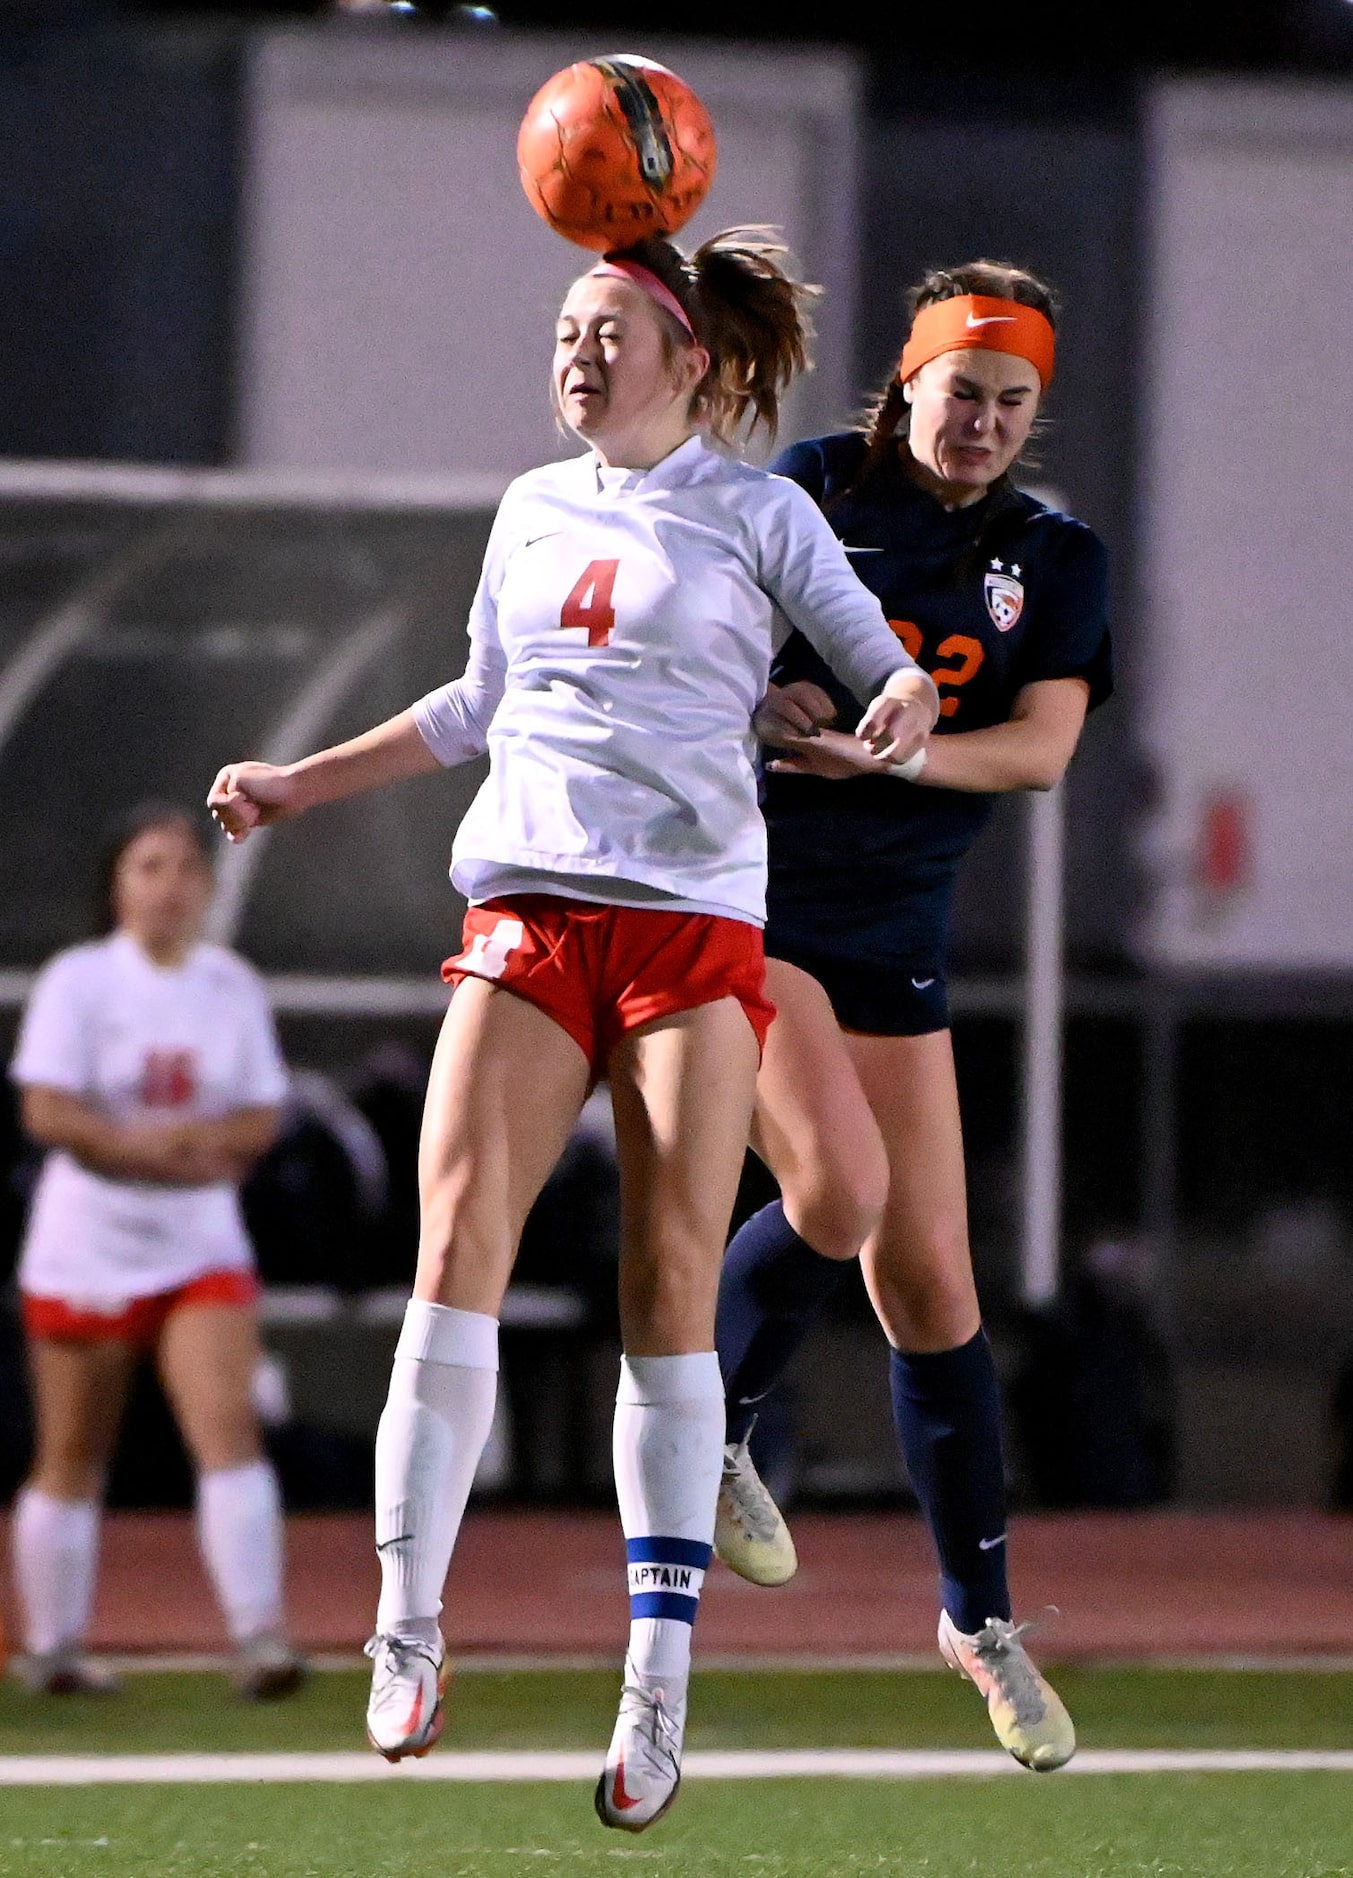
(947, 1411)
(773, 1286)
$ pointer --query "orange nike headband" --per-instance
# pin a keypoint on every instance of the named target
(979, 323)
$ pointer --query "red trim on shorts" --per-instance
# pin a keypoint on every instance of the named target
(602, 971)
(139, 1320)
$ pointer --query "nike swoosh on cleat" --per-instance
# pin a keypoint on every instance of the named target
(416, 1712)
(619, 1797)
(989, 1545)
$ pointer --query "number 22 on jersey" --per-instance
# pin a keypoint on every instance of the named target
(970, 654)
(589, 604)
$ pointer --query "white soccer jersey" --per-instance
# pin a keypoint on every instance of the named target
(138, 1041)
(620, 641)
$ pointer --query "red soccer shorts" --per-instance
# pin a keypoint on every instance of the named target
(140, 1320)
(603, 971)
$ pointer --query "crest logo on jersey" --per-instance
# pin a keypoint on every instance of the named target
(1004, 596)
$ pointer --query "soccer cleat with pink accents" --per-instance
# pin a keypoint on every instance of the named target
(643, 1766)
(1026, 1712)
(408, 1680)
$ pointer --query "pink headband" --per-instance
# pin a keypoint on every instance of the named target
(645, 279)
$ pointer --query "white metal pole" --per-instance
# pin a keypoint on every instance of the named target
(1041, 1106)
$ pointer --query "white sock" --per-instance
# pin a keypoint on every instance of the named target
(239, 1532)
(55, 1545)
(436, 1420)
(668, 1449)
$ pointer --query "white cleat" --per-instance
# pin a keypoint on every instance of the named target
(266, 1668)
(1028, 1715)
(404, 1715)
(643, 1765)
(750, 1534)
(65, 1671)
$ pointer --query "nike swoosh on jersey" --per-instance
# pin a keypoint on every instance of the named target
(619, 1797)
(921, 984)
(850, 550)
(991, 319)
(989, 1545)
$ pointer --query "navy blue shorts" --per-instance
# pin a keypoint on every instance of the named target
(877, 1000)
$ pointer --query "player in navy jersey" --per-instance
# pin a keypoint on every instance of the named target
(1003, 601)
(614, 860)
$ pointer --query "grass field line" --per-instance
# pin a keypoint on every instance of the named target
(797, 1662)
(83, 1770)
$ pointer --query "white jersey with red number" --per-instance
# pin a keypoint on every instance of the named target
(620, 641)
(138, 1041)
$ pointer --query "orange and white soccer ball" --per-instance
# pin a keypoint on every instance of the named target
(613, 149)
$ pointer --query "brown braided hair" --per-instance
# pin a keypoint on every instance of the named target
(749, 314)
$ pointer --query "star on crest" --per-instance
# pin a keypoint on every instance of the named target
(997, 566)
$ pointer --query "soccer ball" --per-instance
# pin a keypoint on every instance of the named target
(613, 149)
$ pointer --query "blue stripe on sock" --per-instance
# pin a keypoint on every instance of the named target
(669, 1552)
(664, 1604)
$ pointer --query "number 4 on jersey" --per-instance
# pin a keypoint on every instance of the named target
(589, 604)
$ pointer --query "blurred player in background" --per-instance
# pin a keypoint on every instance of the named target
(620, 642)
(1003, 601)
(148, 1066)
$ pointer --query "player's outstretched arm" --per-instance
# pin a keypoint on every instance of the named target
(246, 796)
(1030, 751)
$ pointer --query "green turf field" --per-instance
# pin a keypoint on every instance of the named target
(747, 1709)
(1226, 1825)
(1216, 1826)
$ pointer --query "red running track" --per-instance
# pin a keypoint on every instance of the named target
(1127, 1585)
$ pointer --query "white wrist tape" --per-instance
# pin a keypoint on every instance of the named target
(911, 769)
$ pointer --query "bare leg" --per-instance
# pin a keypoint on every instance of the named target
(505, 1090)
(918, 1263)
(814, 1128)
(815, 1132)
(208, 1356)
(683, 1092)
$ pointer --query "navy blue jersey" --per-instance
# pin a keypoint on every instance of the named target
(988, 599)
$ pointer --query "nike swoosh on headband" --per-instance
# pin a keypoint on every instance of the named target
(969, 321)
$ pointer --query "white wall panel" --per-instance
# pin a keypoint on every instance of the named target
(1247, 535)
(399, 290)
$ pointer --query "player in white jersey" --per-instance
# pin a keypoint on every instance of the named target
(614, 859)
(148, 1066)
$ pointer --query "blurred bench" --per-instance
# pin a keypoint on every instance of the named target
(328, 1367)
